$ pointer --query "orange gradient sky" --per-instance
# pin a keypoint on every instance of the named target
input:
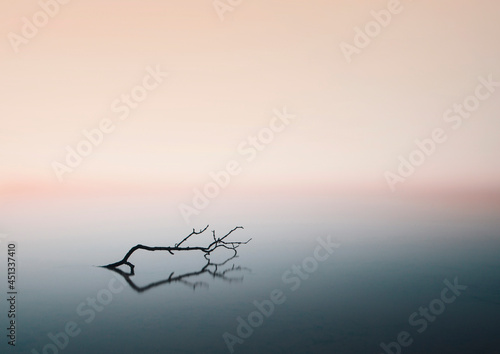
(352, 122)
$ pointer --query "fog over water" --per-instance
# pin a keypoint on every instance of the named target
(343, 283)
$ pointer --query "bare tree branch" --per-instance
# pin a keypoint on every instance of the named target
(218, 242)
(191, 234)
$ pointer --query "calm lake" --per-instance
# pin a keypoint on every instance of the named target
(318, 276)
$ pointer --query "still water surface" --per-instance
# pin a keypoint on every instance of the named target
(385, 269)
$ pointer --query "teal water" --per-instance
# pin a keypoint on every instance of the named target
(381, 271)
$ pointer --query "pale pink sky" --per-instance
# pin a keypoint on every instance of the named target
(353, 120)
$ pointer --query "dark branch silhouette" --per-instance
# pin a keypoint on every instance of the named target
(209, 268)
